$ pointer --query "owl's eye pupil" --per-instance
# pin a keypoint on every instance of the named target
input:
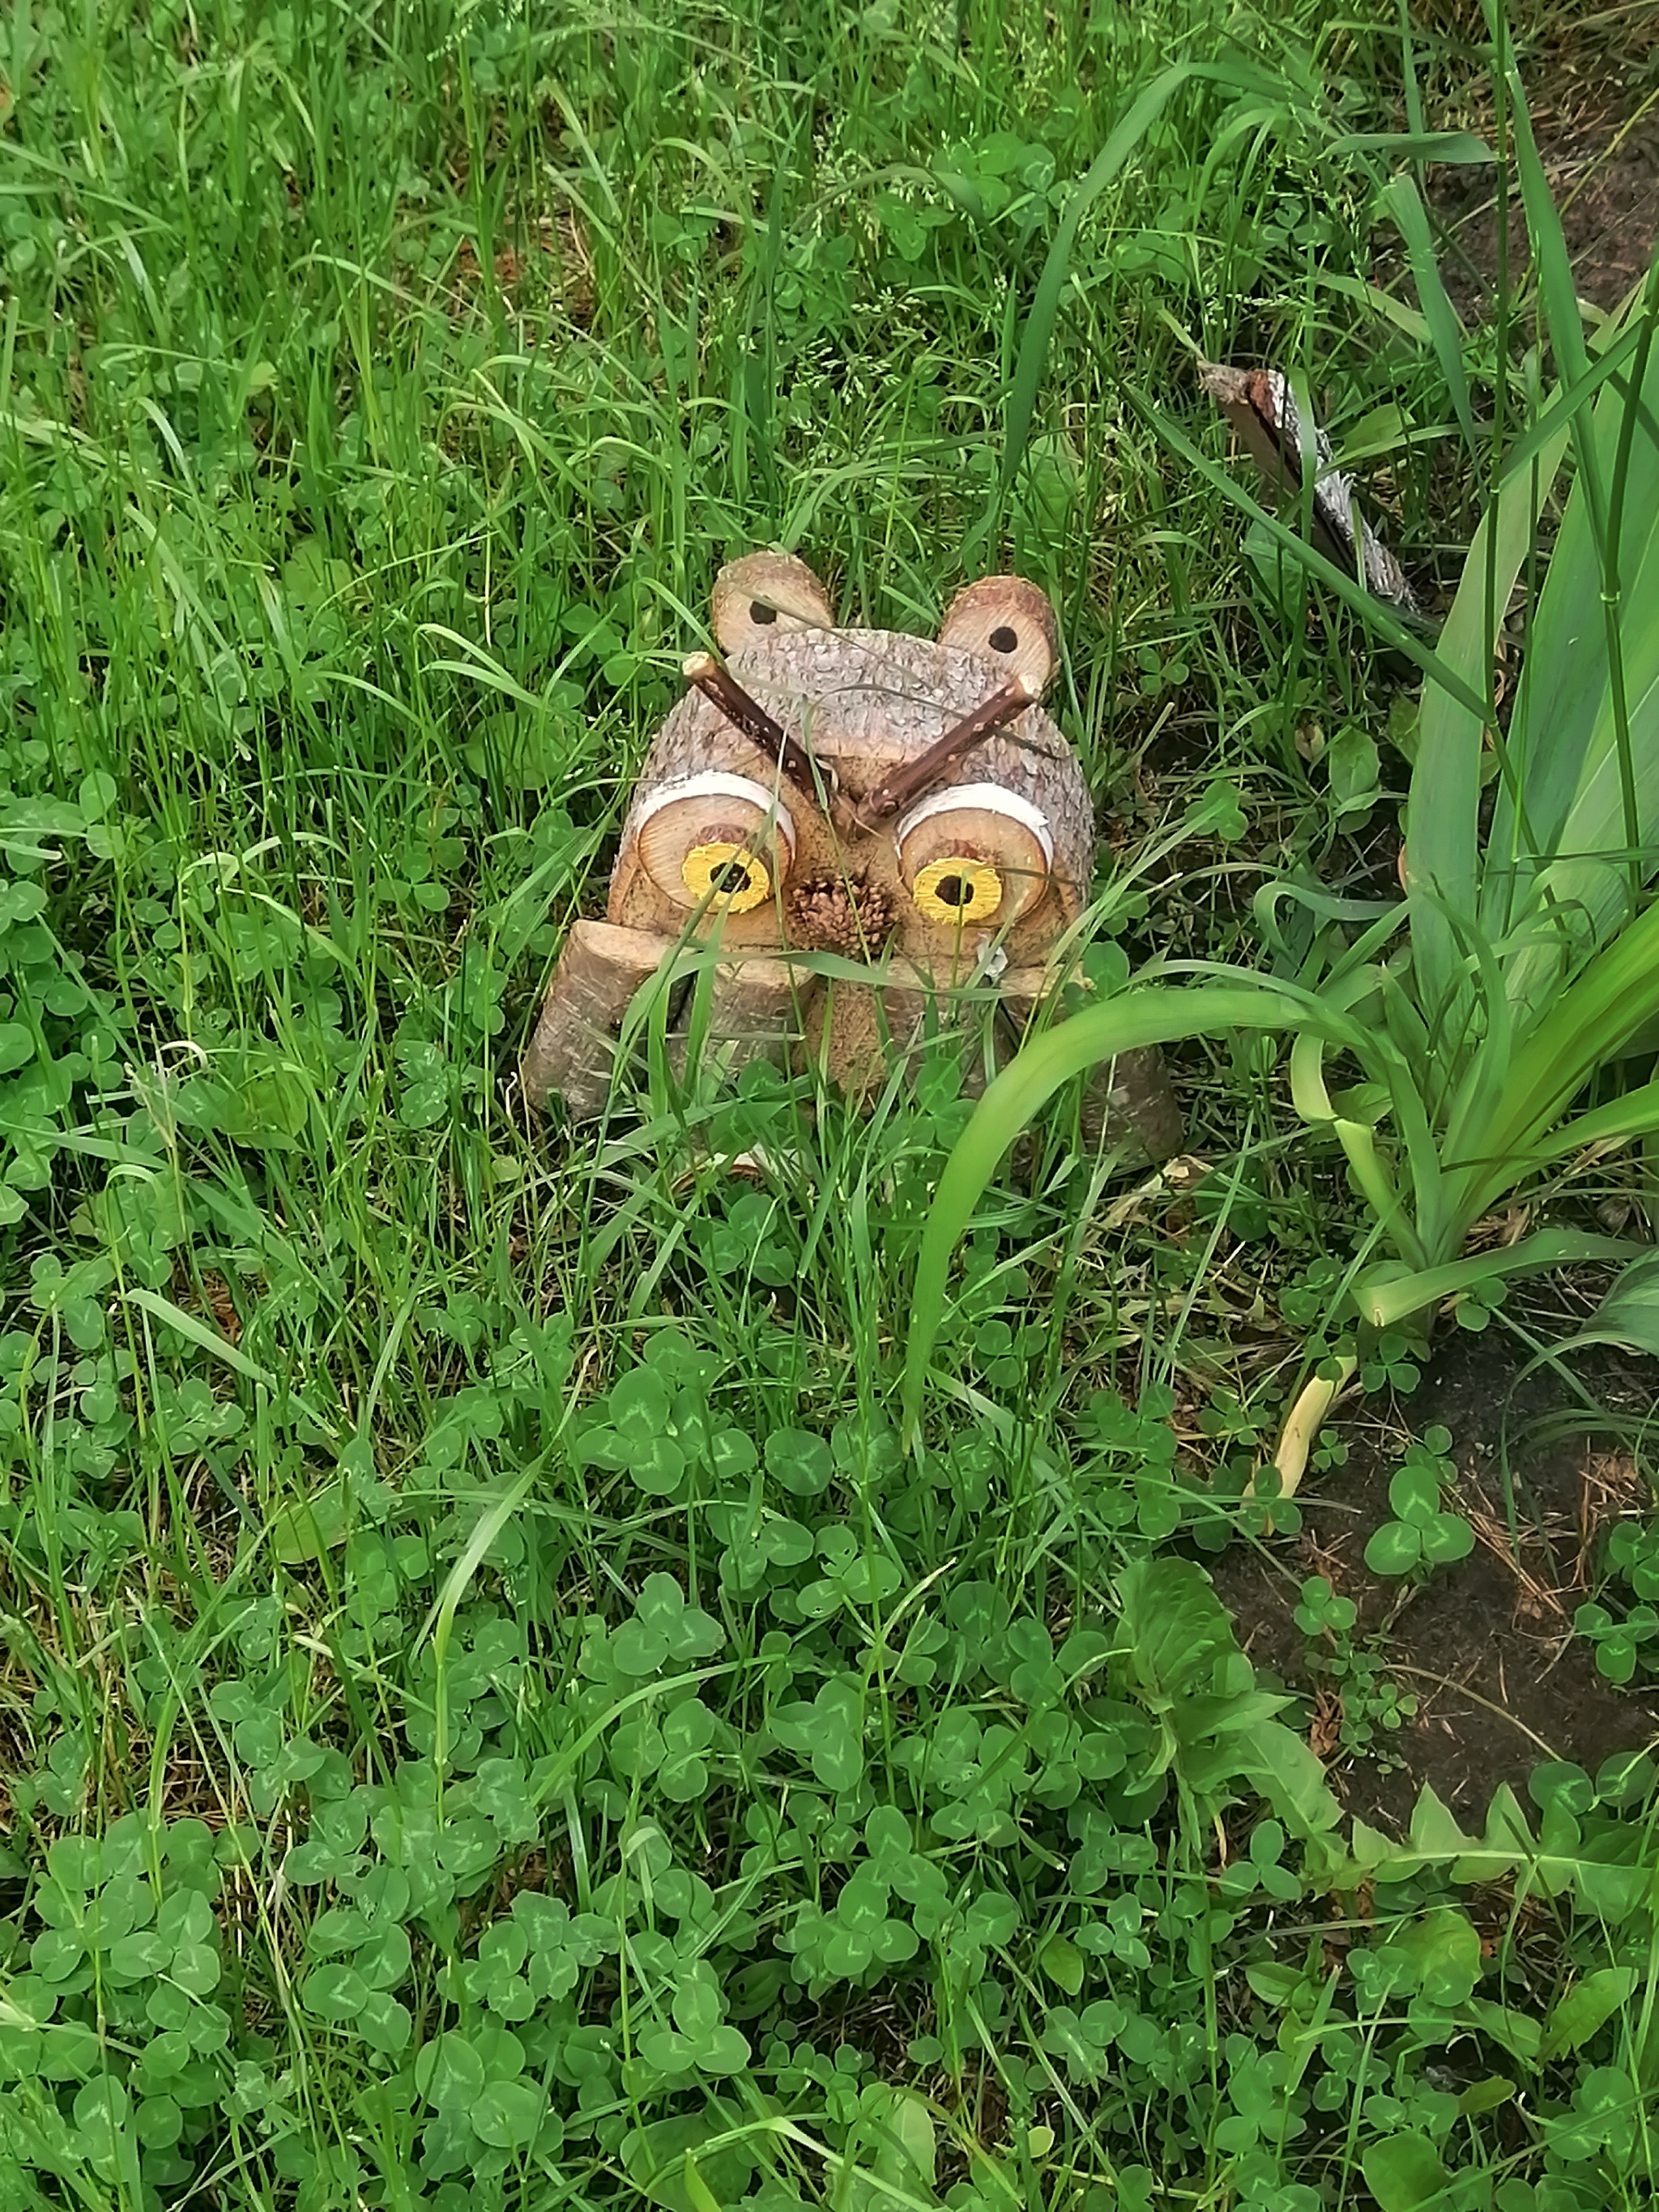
(731, 877)
(951, 890)
(1004, 640)
(760, 612)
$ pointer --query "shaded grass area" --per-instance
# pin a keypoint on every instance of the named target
(490, 1716)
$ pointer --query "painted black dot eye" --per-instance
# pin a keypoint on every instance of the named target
(1003, 640)
(760, 612)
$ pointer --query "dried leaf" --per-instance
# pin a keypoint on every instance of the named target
(1262, 408)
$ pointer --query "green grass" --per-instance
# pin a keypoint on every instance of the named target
(491, 1714)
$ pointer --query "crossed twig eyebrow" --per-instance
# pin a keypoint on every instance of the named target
(908, 782)
(705, 674)
(803, 769)
(814, 778)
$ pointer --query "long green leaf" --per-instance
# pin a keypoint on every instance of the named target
(1628, 1316)
(1448, 146)
(1151, 1015)
(1033, 360)
(1370, 1172)
(1589, 1025)
(1550, 250)
(1386, 1300)
(1636, 1114)
(1585, 752)
(1405, 205)
(1443, 822)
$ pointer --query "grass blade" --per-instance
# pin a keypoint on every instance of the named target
(1372, 611)
(1150, 1016)
(1033, 360)
(1404, 203)
(222, 1349)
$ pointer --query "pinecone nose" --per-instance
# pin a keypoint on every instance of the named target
(847, 914)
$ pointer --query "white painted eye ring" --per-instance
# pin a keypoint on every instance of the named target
(715, 783)
(989, 797)
(716, 841)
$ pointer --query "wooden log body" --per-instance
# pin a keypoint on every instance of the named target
(758, 1008)
(571, 1054)
(981, 874)
(865, 702)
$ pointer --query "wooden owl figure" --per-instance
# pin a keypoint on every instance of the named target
(900, 802)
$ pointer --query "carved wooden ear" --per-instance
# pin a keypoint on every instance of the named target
(767, 595)
(1010, 623)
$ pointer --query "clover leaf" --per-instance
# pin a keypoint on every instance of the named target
(688, 1730)
(828, 1733)
(1618, 1644)
(664, 1631)
(639, 1433)
(1083, 2040)
(799, 1460)
(700, 2037)
(853, 1576)
(1420, 1535)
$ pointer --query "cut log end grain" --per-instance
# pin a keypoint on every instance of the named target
(767, 595)
(1011, 623)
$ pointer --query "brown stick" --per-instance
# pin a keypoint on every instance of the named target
(897, 791)
(704, 673)
(815, 779)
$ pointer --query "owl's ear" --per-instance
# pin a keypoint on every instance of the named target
(1008, 623)
(767, 595)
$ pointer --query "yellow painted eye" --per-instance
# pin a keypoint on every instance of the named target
(958, 890)
(731, 878)
(974, 852)
(716, 842)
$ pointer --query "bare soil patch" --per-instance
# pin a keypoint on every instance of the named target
(1595, 116)
(1483, 1646)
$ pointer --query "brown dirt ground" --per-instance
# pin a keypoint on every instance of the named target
(1595, 115)
(1485, 1645)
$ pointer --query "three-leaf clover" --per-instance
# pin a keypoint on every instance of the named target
(538, 1952)
(664, 1631)
(475, 2081)
(1421, 1535)
(1634, 1548)
(1618, 1644)
(640, 1433)
(1321, 1612)
(852, 1577)
(700, 2037)
(857, 1934)
(828, 1733)
(1391, 1364)
(1082, 2039)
